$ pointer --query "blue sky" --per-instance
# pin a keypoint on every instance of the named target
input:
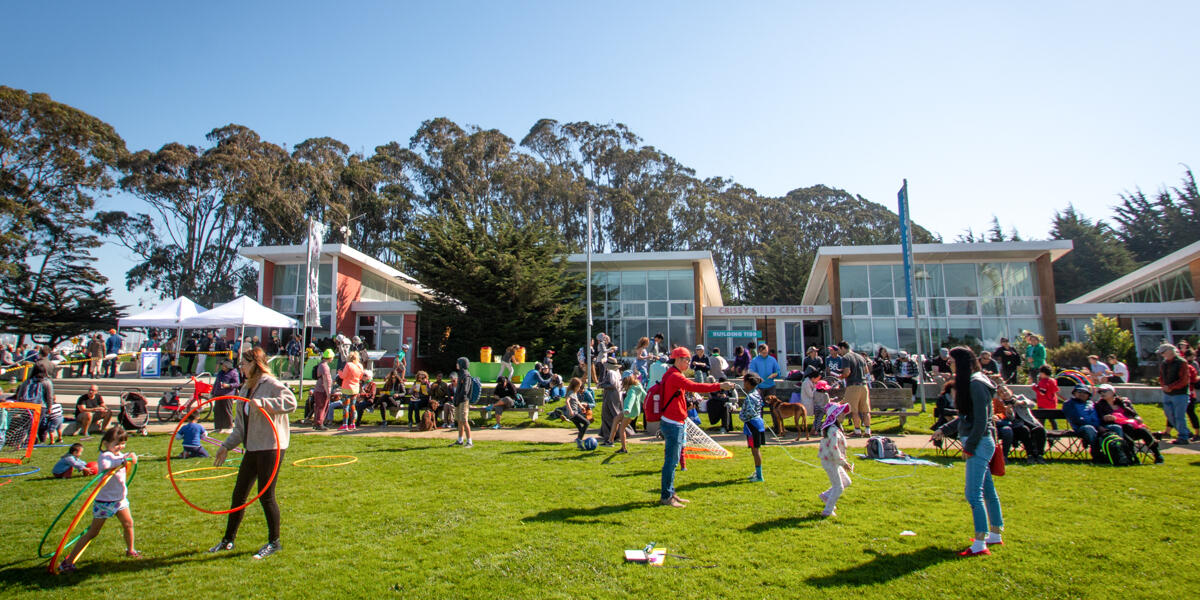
(1014, 110)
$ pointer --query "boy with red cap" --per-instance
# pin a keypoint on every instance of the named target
(675, 388)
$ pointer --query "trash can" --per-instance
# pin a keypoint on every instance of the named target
(485, 354)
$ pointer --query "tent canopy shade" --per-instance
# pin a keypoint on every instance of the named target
(167, 315)
(241, 312)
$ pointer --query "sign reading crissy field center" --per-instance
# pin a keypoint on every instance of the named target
(783, 310)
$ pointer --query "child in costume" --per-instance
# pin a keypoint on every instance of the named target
(832, 453)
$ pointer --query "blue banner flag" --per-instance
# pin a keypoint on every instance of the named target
(906, 248)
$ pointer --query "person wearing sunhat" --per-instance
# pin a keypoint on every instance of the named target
(322, 389)
(227, 383)
(1174, 380)
(674, 411)
(1112, 408)
(812, 362)
(832, 452)
(613, 399)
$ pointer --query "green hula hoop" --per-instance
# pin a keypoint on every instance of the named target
(62, 512)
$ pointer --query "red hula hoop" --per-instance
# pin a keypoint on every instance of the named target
(182, 421)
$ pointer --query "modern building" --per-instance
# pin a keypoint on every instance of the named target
(964, 293)
(357, 294)
(1160, 301)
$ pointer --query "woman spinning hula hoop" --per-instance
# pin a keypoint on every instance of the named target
(254, 431)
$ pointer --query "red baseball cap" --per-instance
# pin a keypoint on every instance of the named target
(681, 352)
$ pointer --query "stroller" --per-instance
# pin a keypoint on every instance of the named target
(135, 411)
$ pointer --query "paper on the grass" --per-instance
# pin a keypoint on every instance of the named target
(908, 533)
(635, 556)
(657, 556)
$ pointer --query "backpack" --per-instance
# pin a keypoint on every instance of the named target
(473, 393)
(655, 407)
(882, 447)
(1114, 450)
(33, 392)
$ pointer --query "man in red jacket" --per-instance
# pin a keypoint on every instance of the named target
(675, 386)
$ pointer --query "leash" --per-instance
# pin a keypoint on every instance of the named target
(805, 462)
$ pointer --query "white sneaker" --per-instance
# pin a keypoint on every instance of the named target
(469, 444)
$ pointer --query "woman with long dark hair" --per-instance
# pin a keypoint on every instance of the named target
(252, 430)
(973, 393)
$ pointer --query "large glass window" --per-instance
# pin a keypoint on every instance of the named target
(853, 279)
(288, 288)
(1175, 286)
(958, 302)
(630, 304)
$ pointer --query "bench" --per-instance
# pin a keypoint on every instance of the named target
(534, 399)
(893, 402)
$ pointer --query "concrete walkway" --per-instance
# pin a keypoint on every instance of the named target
(553, 435)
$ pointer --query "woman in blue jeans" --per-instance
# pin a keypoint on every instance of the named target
(973, 393)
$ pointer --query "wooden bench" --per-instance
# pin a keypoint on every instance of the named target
(893, 402)
(534, 399)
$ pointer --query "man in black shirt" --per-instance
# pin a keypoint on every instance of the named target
(812, 361)
(90, 407)
(1009, 361)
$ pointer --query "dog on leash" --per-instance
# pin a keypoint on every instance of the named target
(428, 417)
(780, 411)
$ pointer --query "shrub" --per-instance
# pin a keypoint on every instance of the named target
(1071, 355)
(1106, 337)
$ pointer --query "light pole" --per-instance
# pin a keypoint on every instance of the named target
(587, 342)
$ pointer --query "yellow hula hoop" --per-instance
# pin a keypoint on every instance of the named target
(299, 463)
(203, 469)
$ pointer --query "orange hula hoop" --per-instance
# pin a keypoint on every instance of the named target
(261, 491)
(62, 543)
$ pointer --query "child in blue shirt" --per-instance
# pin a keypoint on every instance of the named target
(71, 462)
(753, 426)
(192, 435)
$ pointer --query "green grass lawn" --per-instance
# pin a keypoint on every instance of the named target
(414, 518)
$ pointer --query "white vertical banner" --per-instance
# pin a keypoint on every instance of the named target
(312, 308)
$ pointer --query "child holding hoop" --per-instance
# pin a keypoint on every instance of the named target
(113, 499)
(253, 431)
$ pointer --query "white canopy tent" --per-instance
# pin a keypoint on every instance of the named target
(171, 314)
(166, 315)
(241, 312)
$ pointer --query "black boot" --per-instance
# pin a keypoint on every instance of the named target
(1158, 457)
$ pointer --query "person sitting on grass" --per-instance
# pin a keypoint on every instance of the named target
(71, 462)
(557, 388)
(505, 396)
(1115, 409)
(192, 434)
(1081, 415)
(574, 411)
(752, 424)
(635, 394)
(90, 407)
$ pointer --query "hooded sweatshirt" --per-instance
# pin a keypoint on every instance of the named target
(462, 392)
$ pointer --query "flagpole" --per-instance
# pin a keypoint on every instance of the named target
(909, 281)
(587, 343)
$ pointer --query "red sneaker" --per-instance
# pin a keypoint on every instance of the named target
(968, 552)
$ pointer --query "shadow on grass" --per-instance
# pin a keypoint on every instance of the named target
(586, 515)
(885, 567)
(638, 473)
(699, 485)
(401, 449)
(36, 577)
(785, 522)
